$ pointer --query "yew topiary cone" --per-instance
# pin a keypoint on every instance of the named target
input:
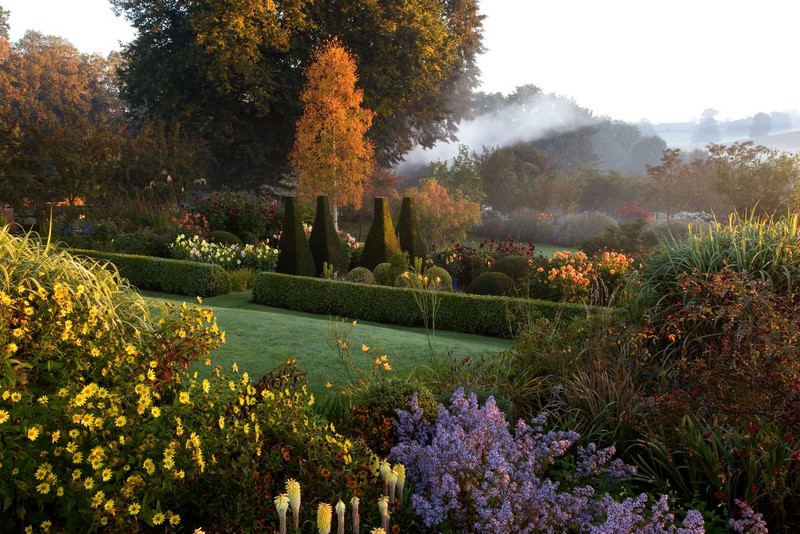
(381, 243)
(325, 244)
(408, 236)
(295, 253)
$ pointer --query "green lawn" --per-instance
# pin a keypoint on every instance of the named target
(259, 338)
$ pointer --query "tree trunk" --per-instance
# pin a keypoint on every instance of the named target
(335, 213)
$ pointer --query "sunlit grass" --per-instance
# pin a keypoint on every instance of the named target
(260, 338)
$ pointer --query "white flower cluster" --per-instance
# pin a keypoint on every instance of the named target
(260, 257)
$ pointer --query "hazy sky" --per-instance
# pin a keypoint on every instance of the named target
(627, 59)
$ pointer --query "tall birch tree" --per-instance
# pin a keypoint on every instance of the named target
(332, 155)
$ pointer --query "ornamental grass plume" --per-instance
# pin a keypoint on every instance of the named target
(282, 505)
(356, 517)
(324, 516)
(340, 516)
(383, 507)
(293, 491)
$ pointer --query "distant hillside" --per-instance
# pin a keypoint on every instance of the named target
(679, 135)
(788, 142)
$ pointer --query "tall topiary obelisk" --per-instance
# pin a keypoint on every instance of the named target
(408, 234)
(381, 243)
(295, 253)
(325, 244)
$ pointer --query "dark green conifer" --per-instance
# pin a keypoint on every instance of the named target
(325, 244)
(295, 253)
(381, 243)
(408, 235)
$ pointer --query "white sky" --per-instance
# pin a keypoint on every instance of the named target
(626, 59)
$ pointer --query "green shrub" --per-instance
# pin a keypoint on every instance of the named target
(253, 217)
(491, 284)
(295, 255)
(360, 275)
(242, 279)
(408, 235)
(149, 242)
(178, 277)
(627, 237)
(383, 274)
(476, 314)
(381, 243)
(445, 282)
(518, 268)
(373, 414)
(355, 257)
(326, 247)
(527, 224)
(224, 238)
(408, 279)
(399, 263)
(575, 229)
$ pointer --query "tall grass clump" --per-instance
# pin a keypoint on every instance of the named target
(36, 278)
(766, 249)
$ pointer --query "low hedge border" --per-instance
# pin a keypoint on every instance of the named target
(458, 312)
(178, 277)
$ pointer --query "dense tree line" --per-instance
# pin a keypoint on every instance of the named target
(66, 134)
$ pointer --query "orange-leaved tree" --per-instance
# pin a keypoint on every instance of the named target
(442, 216)
(331, 154)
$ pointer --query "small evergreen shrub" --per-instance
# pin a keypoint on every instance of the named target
(492, 283)
(224, 238)
(242, 279)
(408, 234)
(355, 257)
(295, 255)
(526, 224)
(573, 230)
(381, 243)
(326, 247)
(408, 279)
(399, 263)
(360, 275)
(518, 268)
(383, 274)
(630, 236)
(445, 281)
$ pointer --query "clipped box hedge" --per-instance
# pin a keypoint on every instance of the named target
(458, 312)
(178, 277)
